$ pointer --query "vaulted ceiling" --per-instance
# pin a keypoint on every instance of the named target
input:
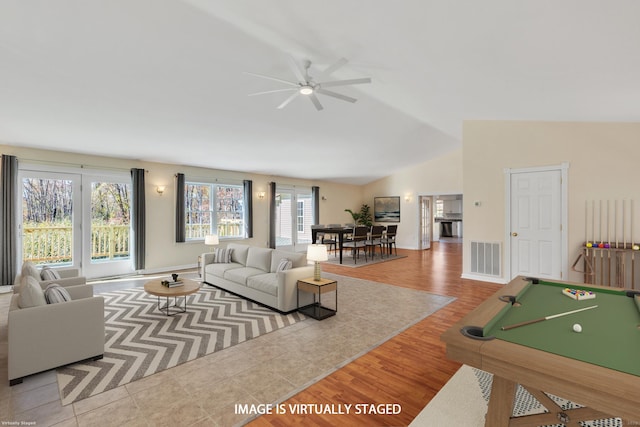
(164, 80)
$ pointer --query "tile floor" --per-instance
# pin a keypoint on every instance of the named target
(204, 392)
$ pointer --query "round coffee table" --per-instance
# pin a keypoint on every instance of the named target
(155, 287)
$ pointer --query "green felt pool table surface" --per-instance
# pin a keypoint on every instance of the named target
(610, 334)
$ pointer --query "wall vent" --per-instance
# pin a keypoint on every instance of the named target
(485, 258)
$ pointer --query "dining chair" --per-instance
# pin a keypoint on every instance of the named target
(389, 240)
(358, 241)
(374, 239)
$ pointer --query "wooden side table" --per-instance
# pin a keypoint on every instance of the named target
(316, 309)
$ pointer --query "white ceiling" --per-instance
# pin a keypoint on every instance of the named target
(162, 80)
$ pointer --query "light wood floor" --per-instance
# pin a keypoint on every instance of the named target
(408, 369)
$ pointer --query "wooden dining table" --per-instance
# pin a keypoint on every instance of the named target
(340, 231)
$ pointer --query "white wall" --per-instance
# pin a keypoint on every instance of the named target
(163, 253)
(602, 157)
(439, 176)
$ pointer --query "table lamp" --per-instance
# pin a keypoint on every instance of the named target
(211, 240)
(317, 253)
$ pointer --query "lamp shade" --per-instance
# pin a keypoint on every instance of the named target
(211, 239)
(317, 253)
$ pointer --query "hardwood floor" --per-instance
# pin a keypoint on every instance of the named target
(408, 369)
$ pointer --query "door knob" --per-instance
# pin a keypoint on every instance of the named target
(514, 234)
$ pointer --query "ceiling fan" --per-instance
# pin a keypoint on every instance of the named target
(309, 86)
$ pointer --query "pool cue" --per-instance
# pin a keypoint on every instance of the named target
(608, 244)
(615, 221)
(633, 261)
(593, 236)
(600, 240)
(542, 319)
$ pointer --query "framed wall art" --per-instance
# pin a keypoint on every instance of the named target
(386, 209)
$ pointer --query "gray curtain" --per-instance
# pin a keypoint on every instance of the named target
(9, 227)
(272, 215)
(315, 201)
(248, 206)
(139, 220)
(181, 233)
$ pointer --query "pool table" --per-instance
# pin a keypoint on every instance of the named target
(598, 367)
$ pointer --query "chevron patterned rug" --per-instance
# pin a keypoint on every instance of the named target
(141, 341)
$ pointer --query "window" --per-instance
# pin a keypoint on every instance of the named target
(214, 209)
(300, 216)
(439, 208)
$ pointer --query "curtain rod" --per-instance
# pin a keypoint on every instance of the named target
(77, 165)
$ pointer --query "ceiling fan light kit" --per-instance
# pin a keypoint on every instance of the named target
(307, 85)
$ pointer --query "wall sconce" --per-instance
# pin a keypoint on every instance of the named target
(160, 189)
(261, 195)
(407, 197)
(324, 199)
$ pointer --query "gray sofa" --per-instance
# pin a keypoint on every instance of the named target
(46, 336)
(252, 273)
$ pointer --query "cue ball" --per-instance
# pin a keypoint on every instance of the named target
(577, 327)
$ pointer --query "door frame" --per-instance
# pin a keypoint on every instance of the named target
(295, 192)
(421, 224)
(564, 201)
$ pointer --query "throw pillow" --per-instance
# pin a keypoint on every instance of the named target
(284, 264)
(55, 294)
(31, 294)
(49, 273)
(29, 269)
(222, 255)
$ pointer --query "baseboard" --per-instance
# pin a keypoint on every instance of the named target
(481, 278)
(170, 268)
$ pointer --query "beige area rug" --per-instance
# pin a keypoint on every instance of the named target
(275, 366)
(141, 340)
(347, 259)
(463, 402)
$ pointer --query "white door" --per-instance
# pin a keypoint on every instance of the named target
(294, 217)
(425, 222)
(536, 224)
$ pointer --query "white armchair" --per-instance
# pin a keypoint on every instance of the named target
(52, 335)
(68, 276)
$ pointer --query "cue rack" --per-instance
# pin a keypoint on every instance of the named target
(609, 251)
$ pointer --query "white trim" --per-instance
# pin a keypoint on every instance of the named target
(564, 245)
(481, 278)
(169, 269)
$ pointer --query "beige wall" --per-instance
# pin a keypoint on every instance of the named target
(439, 176)
(602, 157)
(163, 253)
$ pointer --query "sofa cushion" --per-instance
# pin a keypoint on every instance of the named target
(29, 269)
(267, 283)
(240, 275)
(284, 264)
(259, 258)
(222, 255)
(239, 254)
(298, 259)
(31, 294)
(55, 294)
(48, 273)
(219, 269)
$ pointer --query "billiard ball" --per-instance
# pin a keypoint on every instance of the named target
(577, 328)
(601, 245)
(636, 247)
(607, 246)
(589, 244)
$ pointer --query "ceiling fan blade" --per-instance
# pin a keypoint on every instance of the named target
(273, 78)
(289, 89)
(288, 100)
(346, 82)
(296, 70)
(315, 101)
(332, 68)
(336, 95)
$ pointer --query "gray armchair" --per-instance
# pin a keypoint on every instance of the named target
(48, 336)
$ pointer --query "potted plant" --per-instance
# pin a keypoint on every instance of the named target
(363, 217)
